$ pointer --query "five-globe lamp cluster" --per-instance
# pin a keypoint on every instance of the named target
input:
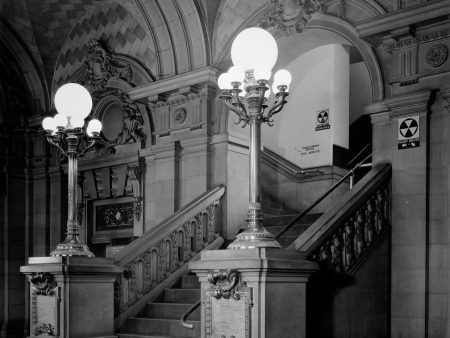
(73, 104)
(245, 91)
(67, 131)
(254, 53)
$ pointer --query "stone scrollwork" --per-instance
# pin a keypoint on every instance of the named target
(43, 328)
(289, 16)
(145, 271)
(101, 66)
(225, 283)
(133, 123)
(134, 186)
(43, 284)
(346, 246)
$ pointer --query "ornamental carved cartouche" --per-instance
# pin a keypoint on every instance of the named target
(291, 16)
(225, 283)
(43, 284)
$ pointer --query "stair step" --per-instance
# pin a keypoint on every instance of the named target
(162, 327)
(189, 282)
(136, 335)
(169, 311)
(185, 296)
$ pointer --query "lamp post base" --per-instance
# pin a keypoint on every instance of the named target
(254, 238)
(72, 247)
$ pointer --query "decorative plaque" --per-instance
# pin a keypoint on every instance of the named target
(228, 303)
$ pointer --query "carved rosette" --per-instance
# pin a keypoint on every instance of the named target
(43, 284)
(347, 245)
(436, 55)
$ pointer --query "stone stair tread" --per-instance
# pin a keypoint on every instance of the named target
(161, 326)
(163, 319)
(168, 310)
(137, 335)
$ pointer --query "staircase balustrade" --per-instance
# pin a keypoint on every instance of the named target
(153, 257)
(342, 237)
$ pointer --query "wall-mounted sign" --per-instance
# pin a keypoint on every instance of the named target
(322, 119)
(408, 132)
(308, 150)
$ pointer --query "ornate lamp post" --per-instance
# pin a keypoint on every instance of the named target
(66, 131)
(245, 90)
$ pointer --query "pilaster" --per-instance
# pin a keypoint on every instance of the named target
(410, 206)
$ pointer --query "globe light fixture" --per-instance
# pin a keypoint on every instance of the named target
(245, 91)
(66, 130)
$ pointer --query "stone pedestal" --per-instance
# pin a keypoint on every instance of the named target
(253, 293)
(71, 296)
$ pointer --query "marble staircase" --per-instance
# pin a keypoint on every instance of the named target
(161, 318)
(276, 217)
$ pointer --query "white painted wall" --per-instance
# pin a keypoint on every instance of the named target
(320, 81)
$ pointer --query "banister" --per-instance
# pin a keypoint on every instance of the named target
(188, 313)
(166, 226)
(321, 198)
(162, 252)
(359, 153)
(348, 230)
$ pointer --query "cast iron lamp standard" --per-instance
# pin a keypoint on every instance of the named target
(67, 132)
(245, 91)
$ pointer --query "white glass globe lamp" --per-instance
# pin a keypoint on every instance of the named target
(282, 77)
(49, 124)
(77, 122)
(94, 127)
(254, 48)
(262, 74)
(73, 99)
(224, 81)
(60, 121)
(236, 74)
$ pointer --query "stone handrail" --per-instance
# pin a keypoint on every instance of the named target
(153, 257)
(343, 235)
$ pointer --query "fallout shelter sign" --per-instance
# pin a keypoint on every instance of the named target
(322, 119)
(408, 132)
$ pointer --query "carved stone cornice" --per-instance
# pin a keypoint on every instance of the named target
(408, 104)
(401, 18)
(153, 91)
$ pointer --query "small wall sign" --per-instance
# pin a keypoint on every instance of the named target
(322, 119)
(408, 132)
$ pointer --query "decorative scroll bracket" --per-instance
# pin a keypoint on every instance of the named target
(226, 283)
(43, 284)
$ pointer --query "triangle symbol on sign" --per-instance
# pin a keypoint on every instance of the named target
(413, 130)
(408, 123)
